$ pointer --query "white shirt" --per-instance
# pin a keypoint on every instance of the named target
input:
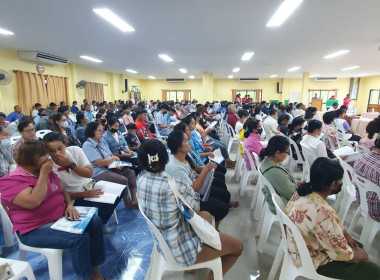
(34, 113)
(93, 108)
(271, 127)
(291, 117)
(71, 181)
(238, 127)
(312, 148)
(299, 113)
(332, 109)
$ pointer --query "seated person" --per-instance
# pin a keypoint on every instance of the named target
(164, 128)
(12, 128)
(252, 140)
(231, 117)
(299, 110)
(100, 156)
(127, 118)
(283, 122)
(40, 113)
(26, 129)
(328, 129)
(117, 144)
(61, 125)
(142, 130)
(64, 110)
(75, 172)
(131, 137)
(82, 121)
(33, 195)
(45, 123)
(367, 166)
(17, 114)
(6, 159)
(313, 111)
(274, 171)
(172, 119)
(183, 242)
(334, 107)
(243, 116)
(333, 251)
(100, 118)
(342, 125)
(373, 130)
(3, 122)
(201, 125)
(271, 125)
(181, 166)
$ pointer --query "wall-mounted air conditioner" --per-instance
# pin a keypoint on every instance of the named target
(175, 80)
(44, 58)
(248, 79)
(325, 79)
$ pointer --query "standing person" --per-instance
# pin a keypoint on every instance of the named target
(37, 107)
(33, 195)
(17, 114)
(100, 156)
(347, 100)
(333, 251)
(82, 121)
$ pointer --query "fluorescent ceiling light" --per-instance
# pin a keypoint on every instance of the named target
(152, 77)
(115, 20)
(362, 75)
(247, 56)
(183, 70)
(350, 68)
(165, 57)
(283, 12)
(314, 75)
(273, 76)
(91, 58)
(236, 69)
(293, 68)
(5, 32)
(191, 77)
(230, 76)
(335, 54)
(131, 71)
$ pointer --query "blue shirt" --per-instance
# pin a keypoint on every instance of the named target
(91, 149)
(13, 117)
(72, 125)
(113, 145)
(195, 144)
(162, 120)
(81, 133)
(89, 115)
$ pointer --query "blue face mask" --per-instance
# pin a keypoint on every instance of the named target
(5, 143)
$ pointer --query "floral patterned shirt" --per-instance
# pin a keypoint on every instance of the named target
(329, 130)
(321, 229)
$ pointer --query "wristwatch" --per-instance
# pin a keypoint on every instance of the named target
(73, 165)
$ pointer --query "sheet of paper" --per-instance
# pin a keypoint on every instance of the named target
(110, 187)
(211, 126)
(109, 198)
(119, 163)
(218, 158)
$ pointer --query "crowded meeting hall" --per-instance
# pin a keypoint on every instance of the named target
(190, 140)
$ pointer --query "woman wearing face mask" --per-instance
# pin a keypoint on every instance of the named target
(60, 124)
(333, 251)
(252, 139)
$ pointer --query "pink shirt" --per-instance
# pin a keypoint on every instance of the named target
(253, 144)
(127, 119)
(346, 101)
(24, 220)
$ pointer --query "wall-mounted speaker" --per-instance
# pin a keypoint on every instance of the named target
(278, 88)
(125, 85)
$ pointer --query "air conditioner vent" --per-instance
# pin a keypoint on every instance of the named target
(40, 57)
(325, 79)
(175, 80)
(249, 79)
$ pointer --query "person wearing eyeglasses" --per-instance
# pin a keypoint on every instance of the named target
(26, 129)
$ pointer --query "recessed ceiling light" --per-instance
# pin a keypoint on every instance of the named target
(350, 68)
(191, 77)
(335, 54)
(165, 57)
(236, 69)
(273, 76)
(230, 76)
(131, 71)
(91, 58)
(283, 12)
(183, 70)
(314, 75)
(152, 77)
(247, 56)
(5, 32)
(115, 20)
(293, 68)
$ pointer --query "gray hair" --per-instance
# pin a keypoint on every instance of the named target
(231, 107)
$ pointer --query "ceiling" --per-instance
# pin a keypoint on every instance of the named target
(200, 35)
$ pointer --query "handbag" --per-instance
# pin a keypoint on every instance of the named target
(205, 231)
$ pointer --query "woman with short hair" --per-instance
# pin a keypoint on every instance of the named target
(61, 125)
(82, 121)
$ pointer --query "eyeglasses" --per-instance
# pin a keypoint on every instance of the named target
(99, 130)
(30, 131)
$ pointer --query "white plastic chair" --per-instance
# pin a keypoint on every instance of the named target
(294, 162)
(14, 139)
(20, 269)
(247, 174)
(231, 137)
(239, 164)
(326, 138)
(54, 256)
(362, 149)
(341, 137)
(41, 133)
(370, 227)
(289, 271)
(160, 263)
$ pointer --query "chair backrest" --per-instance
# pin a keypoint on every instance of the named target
(159, 239)
(362, 149)
(266, 130)
(14, 139)
(307, 266)
(348, 172)
(310, 156)
(265, 182)
(365, 186)
(254, 166)
(340, 131)
(232, 131)
(41, 133)
(326, 138)
(295, 146)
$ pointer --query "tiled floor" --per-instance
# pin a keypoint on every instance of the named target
(129, 247)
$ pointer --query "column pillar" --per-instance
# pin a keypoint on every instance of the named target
(208, 86)
(305, 87)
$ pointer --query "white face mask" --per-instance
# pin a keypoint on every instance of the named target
(64, 124)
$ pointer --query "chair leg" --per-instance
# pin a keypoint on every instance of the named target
(244, 181)
(269, 220)
(115, 217)
(55, 265)
(261, 221)
(259, 206)
(28, 273)
(217, 270)
(277, 262)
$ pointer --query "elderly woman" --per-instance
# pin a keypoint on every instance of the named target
(26, 129)
(35, 200)
(186, 247)
(61, 125)
(232, 118)
(100, 157)
(333, 251)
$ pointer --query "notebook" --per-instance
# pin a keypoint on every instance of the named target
(118, 163)
(205, 189)
(77, 227)
(111, 192)
(218, 158)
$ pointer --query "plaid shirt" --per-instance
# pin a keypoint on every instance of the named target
(157, 201)
(368, 167)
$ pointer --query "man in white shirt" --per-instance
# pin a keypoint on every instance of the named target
(37, 106)
(270, 124)
(300, 110)
(334, 107)
(94, 108)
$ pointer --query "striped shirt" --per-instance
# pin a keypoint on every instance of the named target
(368, 167)
(157, 201)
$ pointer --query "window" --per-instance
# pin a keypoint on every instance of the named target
(321, 94)
(177, 95)
(374, 97)
(255, 94)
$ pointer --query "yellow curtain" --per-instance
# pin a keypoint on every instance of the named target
(57, 89)
(94, 91)
(31, 89)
